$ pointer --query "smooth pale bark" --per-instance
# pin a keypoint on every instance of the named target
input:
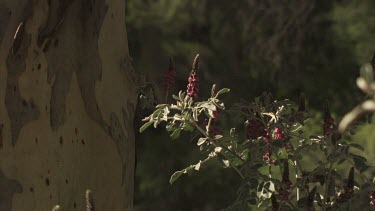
(68, 96)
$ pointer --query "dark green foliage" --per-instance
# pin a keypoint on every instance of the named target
(318, 53)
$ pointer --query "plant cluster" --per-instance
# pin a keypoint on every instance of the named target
(280, 168)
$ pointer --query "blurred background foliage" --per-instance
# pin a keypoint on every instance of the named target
(313, 47)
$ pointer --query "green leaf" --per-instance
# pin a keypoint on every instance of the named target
(252, 201)
(176, 133)
(175, 176)
(161, 105)
(197, 166)
(201, 141)
(178, 174)
(341, 161)
(145, 126)
(156, 113)
(367, 72)
(360, 163)
(226, 163)
(357, 146)
(253, 183)
(188, 127)
(232, 132)
(209, 113)
(209, 106)
(302, 202)
(217, 137)
(223, 91)
(267, 189)
(218, 104)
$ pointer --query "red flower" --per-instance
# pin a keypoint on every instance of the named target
(279, 135)
(372, 197)
(193, 85)
(255, 129)
(288, 184)
(329, 125)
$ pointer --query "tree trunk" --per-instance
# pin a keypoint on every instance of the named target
(68, 96)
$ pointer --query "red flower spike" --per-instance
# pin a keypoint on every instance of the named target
(329, 125)
(193, 85)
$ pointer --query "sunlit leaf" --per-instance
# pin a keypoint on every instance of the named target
(145, 126)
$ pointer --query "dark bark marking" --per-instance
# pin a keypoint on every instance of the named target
(19, 110)
(60, 89)
(46, 46)
(56, 14)
(85, 62)
(61, 140)
(8, 188)
(47, 182)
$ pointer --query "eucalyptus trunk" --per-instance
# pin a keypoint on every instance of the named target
(68, 94)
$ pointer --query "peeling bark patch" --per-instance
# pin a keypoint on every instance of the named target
(19, 110)
(8, 188)
(85, 62)
(5, 14)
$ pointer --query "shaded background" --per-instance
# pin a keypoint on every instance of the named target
(314, 47)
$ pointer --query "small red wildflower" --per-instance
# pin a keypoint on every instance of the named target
(267, 157)
(329, 125)
(279, 135)
(193, 85)
(288, 184)
(255, 129)
(372, 197)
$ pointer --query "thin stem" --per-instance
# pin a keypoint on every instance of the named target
(291, 204)
(297, 166)
(269, 171)
(328, 180)
(166, 96)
